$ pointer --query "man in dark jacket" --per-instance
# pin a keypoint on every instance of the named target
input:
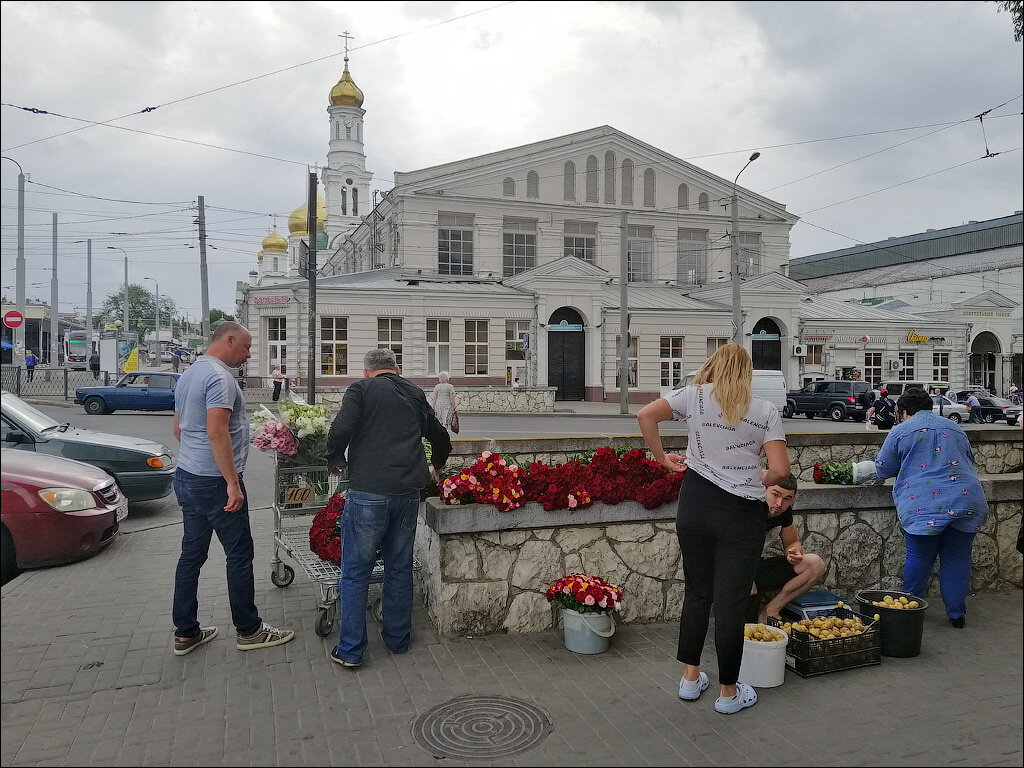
(382, 421)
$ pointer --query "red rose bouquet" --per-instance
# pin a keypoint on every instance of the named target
(585, 594)
(325, 530)
(491, 480)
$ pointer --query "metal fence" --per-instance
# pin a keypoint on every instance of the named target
(51, 382)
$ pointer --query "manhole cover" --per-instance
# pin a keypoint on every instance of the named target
(481, 726)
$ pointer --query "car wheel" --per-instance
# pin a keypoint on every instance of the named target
(95, 406)
(809, 414)
(787, 411)
(8, 559)
(837, 413)
(955, 417)
(991, 419)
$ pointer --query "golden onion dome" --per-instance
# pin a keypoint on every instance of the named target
(259, 257)
(297, 221)
(346, 92)
(274, 242)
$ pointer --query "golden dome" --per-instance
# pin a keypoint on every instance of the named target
(297, 221)
(259, 256)
(346, 92)
(274, 242)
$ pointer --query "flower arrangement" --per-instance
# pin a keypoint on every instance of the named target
(325, 530)
(491, 480)
(298, 436)
(845, 473)
(585, 594)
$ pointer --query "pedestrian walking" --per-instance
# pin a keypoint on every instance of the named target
(444, 402)
(30, 364)
(94, 364)
(378, 433)
(211, 424)
(278, 381)
(176, 360)
(721, 521)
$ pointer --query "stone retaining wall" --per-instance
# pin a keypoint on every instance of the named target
(503, 400)
(485, 571)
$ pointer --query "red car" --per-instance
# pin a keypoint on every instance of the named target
(54, 510)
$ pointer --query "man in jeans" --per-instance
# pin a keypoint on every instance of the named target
(211, 424)
(382, 421)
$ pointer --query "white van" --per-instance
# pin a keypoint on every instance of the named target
(771, 385)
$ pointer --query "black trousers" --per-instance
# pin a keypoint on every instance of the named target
(720, 539)
(277, 391)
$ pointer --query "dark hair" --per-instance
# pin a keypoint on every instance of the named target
(788, 483)
(913, 400)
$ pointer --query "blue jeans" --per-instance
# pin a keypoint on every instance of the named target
(374, 522)
(953, 548)
(202, 501)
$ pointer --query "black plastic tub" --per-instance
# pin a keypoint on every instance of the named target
(901, 629)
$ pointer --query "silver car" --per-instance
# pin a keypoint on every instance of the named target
(953, 411)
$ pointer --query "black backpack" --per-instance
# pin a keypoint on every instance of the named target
(885, 414)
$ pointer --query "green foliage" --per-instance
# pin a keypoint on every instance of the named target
(837, 472)
(141, 309)
(1016, 10)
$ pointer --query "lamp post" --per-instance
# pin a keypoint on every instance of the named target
(125, 296)
(18, 356)
(737, 310)
(158, 344)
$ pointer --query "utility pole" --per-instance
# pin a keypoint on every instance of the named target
(623, 315)
(737, 309)
(204, 281)
(18, 356)
(88, 292)
(54, 319)
(311, 226)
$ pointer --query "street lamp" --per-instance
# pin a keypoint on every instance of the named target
(158, 344)
(18, 356)
(125, 297)
(737, 311)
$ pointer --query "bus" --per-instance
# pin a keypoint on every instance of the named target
(77, 351)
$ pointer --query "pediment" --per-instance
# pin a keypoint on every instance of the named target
(773, 282)
(565, 268)
(986, 299)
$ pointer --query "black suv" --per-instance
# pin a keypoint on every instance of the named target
(839, 399)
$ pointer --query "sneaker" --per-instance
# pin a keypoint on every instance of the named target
(338, 660)
(183, 645)
(266, 637)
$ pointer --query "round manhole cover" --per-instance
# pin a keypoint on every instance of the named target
(481, 726)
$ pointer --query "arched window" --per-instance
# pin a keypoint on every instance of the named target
(337, 130)
(355, 201)
(649, 188)
(344, 202)
(569, 181)
(592, 179)
(684, 197)
(609, 178)
(348, 131)
(508, 187)
(533, 184)
(703, 202)
(627, 182)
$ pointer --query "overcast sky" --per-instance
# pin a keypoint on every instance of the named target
(865, 114)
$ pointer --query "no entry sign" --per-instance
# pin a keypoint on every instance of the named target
(13, 318)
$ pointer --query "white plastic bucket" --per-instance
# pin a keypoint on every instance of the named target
(587, 632)
(764, 662)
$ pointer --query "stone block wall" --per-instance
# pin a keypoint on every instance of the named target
(485, 571)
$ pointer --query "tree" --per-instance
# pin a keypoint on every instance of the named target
(1016, 10)
(219, 314)
(141, 309)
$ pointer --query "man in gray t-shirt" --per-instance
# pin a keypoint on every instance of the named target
(211, 424)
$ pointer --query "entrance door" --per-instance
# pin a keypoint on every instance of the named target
(766, 346)
(566, 354)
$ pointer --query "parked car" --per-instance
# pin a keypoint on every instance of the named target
(141, 391)
(769, 384)
(994, 409)
(897, 388)
(839, 399)
(54, 510)
(143, 468)
(944, 406)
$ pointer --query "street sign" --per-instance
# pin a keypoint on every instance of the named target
(13, 318)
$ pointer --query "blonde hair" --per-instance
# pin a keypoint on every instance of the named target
(730, 372)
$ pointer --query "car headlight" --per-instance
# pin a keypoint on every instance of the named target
(67, 499)
(164, 461)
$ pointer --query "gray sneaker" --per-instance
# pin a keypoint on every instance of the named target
(183, 645)
(265, 637)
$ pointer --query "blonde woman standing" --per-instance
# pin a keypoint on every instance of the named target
(721, 517)
(443, 400)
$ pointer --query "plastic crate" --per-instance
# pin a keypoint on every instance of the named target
(808, 656)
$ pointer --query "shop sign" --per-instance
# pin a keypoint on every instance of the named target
(271, 299)
(817, 336)
(565, 326)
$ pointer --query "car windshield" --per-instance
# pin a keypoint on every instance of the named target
(26, 414)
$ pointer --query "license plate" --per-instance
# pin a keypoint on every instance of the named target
(122, 512)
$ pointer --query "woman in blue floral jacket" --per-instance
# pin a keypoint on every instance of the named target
(939, 499)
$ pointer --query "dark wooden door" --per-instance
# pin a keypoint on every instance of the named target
(566, 355)
(766, 346)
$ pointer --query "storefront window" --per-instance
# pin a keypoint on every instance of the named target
(476, 347)
(671, 360)
(906, 367)
(277, 344)
(334, 346)
(438, 346)
(815, 354)
(940, 366)
(389, 335)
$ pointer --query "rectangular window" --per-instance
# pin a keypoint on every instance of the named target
(438, 346)
(692, 256)
(580, 239)
(277, 344)
(750, 253)
(634, 347)
(906, 367)
(640, 255)
(671, 360)
(815, 354)
(389, 335)
(940, 366)
(454, 244)
(518, 245)
(514, 332)
(334, 346)
(873, 368)
(714, 344)
(476, 347)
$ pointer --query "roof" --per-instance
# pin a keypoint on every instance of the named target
(653, 297)
(823, 308)
(401, 279)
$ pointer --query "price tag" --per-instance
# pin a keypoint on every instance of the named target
(298, 494)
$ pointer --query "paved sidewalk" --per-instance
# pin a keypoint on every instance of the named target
(88, 678)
